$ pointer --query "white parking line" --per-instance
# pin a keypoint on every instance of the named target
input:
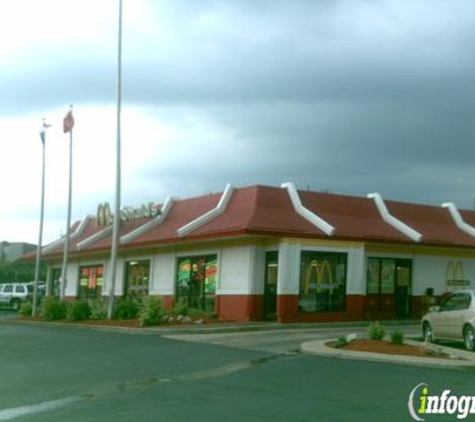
(16, 412)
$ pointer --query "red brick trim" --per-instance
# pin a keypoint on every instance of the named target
(240, 307)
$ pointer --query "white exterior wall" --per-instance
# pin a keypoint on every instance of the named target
(119, 276)
(356, 272)
(72, 279)
(237, 269)
(163, 274)
(289, 269)
(430, 271)
(241, 270)
(258, 269)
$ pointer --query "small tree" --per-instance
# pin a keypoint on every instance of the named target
(376, 331)
(151, 311)
(397, 337)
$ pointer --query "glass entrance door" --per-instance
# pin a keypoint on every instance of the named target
(137, 274)
(403, 287)
(270, 287)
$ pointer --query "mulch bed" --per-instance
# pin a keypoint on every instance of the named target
(127, 323)
(380, 346)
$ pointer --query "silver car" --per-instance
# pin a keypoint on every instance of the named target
(453, 320)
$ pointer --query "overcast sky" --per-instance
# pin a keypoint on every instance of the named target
(347, 96)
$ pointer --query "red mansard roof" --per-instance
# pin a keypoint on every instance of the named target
(268, 211)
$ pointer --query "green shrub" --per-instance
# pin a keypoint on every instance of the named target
(26, 308)
(54, 308)
(151, 311)
(376, 331)
(181, 307)
(79, 310)
(126, 309)
(397, 337)
(194, 312)
(98, 309)
(341, 342)
(212, 315)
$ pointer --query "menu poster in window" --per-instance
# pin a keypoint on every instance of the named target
(84, 276)
(184, 270)
(211, 271)
(92, 283)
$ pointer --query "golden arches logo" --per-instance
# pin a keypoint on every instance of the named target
(104, 215)
(320, 268)
(454, 275)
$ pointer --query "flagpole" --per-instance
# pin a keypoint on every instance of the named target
(40, 236)
(64, 277)
(116, 223)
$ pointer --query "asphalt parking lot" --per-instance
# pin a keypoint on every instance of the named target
(284, 340)
(75, 374)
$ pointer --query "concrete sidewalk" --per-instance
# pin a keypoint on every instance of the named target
(461, 359)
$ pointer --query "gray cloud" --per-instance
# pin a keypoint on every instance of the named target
(346, 96)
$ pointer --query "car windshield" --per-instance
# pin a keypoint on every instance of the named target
(30, 288)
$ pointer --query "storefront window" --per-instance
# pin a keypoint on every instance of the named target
(91, 281)
(137, 275)
(196, 283)
(322, 282)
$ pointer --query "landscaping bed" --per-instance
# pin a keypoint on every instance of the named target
(379, 341)
(129, 313)
(128, 323)
(385, 347)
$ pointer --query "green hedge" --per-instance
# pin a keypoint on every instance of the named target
(54, 308)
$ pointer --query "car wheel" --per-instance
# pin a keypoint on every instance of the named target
(469, 338)
(15, 304)
(427, 333)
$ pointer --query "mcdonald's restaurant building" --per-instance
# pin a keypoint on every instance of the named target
(263, 252)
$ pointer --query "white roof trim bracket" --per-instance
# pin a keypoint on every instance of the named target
(94, 238)
(462, 225)
(78, 232)
(159, 219)
(210, 215)
(52, 246)
(393, 221)
(321, 224)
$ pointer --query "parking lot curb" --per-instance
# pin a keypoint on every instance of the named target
(318, 348)
(218, 328)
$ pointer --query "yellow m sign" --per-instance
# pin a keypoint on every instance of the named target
(321, 268)
(104, 215)
(454, 275)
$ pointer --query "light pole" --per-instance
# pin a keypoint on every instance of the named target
(42, 210)
(116, 223)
